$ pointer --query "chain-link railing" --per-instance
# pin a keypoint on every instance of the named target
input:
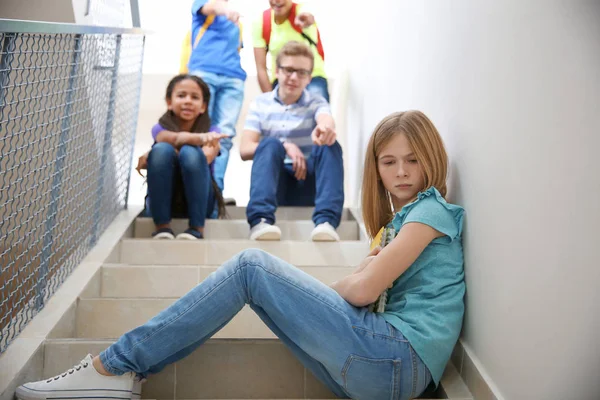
(69, 99)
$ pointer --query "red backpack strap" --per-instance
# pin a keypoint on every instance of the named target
(266, 27)
(320, 49)
(292, 19)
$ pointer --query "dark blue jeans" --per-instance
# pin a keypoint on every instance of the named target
(318, 85)
(273, 183)
(169, 174)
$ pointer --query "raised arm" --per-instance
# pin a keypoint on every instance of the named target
(324, 133)
(219, 7)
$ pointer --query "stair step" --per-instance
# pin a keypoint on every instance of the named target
(239, 229)
(170, 281)
(110, 318)
(286, 213)
(216, 252)
(255, 369)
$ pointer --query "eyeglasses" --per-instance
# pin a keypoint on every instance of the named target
(289, 71)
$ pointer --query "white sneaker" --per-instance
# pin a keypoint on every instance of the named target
(324, 233)
(265, 231)
(80, 382)
(163, 233)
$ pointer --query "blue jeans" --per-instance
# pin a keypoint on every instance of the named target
(273, 183)
(168, 170)
(226, 100)
(354, 352)
(318, 85)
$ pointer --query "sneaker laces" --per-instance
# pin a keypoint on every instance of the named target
(78, 367)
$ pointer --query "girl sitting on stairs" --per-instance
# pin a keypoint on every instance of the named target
(394, 354)
(180, 175)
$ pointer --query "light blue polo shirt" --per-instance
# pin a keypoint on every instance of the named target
(426, 302)
(295, 122)
(217, 51)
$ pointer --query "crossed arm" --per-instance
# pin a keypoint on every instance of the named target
(382, 267)
(208, 141)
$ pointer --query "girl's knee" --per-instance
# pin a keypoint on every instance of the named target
(260, 260)
(192, 157)
(161, 152)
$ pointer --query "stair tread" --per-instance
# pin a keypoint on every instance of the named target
(216, 252)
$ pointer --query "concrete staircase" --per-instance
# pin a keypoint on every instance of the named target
(244, 360)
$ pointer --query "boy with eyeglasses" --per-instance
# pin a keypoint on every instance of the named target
(290, 134)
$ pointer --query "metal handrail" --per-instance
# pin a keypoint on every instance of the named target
(22, 26)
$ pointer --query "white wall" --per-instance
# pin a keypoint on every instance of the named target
(514, 87)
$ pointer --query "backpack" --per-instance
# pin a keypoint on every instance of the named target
(266, 29)
(186, 48)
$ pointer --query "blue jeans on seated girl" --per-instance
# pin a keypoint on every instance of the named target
(273, 183)
(355, 353)
(173, 176)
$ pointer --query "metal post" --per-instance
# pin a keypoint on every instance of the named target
(107, 143)
(134, 127)
(61, 154)
(135, 13)
(8, 48)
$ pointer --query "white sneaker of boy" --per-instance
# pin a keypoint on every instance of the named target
(324, 233)
(265, 231)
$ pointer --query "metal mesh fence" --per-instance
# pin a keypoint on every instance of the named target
(68, 114)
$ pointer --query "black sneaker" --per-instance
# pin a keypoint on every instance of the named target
(190, 234)
(163, 233)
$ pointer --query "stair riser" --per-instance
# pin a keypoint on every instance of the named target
(126, 314)
(285, 213)
(207, 252)
(175, 281)
(217, 370)
(236, 229)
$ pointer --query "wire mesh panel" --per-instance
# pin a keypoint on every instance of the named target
(68, 114)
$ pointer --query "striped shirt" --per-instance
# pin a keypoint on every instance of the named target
(294, 123)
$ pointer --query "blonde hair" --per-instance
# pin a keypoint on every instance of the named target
(294, 48)
(428, 147)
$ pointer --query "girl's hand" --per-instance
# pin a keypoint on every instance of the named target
(211, 138)
(211, 152)
(142, 163)
(367, 260)
(198, 139)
